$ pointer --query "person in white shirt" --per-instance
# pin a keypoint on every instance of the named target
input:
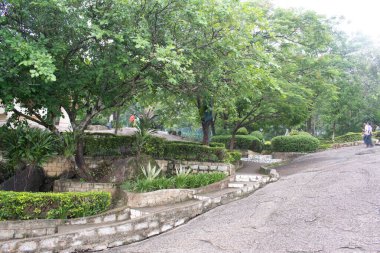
(368, 135)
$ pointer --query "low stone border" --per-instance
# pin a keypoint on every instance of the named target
(287, 155)
(66, 185)
(125, 232)
(167, 196)
(27, 228)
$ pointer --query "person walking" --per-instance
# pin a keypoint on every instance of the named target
(368, 135)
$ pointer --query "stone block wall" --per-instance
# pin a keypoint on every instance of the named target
(56, 166)
(286, 155)
(28, 228)
(64, 185)
(156, 198)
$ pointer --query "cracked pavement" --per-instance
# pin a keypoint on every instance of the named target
(324, 202)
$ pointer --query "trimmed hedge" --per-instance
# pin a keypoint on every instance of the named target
(217, 145)
(242, 131)
(241, 142)
(192, 152)
(234, 156)
(349, 137)
(112, 145)
(295, 143)
(259, 135)
(47, 205)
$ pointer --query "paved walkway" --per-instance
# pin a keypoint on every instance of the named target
(325, 202)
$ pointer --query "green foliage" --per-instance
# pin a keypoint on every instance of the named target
(268, 146)
(27, 205)
(7, 170)
(191, 152)
(217, 144)
(233, 157)
(242, 131)
(259, 135)
(107, 145)
(295, 143)
(182, 170)
(179, 182)
(241, 142)
(30, 146)
(349, 137)
(297, 132)
(150, 172)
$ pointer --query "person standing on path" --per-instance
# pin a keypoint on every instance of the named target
(368, 135)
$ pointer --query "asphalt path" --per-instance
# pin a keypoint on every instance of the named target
(324, 202)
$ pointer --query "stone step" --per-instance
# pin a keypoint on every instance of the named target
(248, 177)
(215, 194)
(245, 186)
(142, 211)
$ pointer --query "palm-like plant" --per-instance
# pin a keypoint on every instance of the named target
(150, 172)
(182, 170)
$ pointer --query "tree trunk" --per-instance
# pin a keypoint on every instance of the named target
(206, 130)
(232, 141)
(81, 166)
(334, 129)
(116, 117)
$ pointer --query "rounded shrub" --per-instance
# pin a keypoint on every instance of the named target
(295, 143)
(242, 131)
(241, 142)
(259, 135)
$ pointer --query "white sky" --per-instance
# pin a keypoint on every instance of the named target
(361, 15)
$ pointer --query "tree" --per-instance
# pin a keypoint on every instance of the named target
(87, 57)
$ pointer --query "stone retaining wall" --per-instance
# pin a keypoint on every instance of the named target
(27, 228)
(286, 155)
(347, 144)
(167, 196)
(56, 166)
(156, 198)
(65, 185)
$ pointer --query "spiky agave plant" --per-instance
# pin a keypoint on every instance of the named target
(150, 172)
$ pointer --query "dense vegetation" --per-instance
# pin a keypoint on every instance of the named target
(28, 206)
(219, 65)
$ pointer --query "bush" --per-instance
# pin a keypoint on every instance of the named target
(27, 205)
(176, 182)
(6, 171)
(268, 146)
(25, 145)
(295, 143)
(189, 152)
(217, 145)
(349, 137)
(242, 131)
(259, 135)
(241, 142)
(298, 132)
(233, 157)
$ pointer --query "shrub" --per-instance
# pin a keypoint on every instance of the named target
(43, 205)
(233, 157)
(179, 182)
(299, 132)
(295, 143)
(25, 145)
(349, 137)
(217, 144)
(107, 145)
(6, 171)
(242, 131)
(259, 135)
(268, 146)
(241, 142)
(189, 152)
